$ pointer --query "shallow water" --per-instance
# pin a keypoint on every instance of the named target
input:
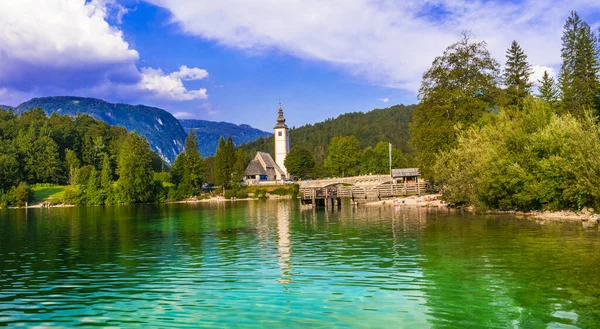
(274, 264)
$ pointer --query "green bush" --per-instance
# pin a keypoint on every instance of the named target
(525, 161)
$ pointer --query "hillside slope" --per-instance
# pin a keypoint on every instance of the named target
(388, 125)
(209, 132)
(163, 131)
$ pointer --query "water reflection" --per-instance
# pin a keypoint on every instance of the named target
(264, 263)
(283, 241)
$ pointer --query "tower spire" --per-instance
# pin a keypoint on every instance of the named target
(280, 119)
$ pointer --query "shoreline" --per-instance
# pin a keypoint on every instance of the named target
(586, 216)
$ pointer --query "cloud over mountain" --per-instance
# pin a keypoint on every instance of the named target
(58, 46)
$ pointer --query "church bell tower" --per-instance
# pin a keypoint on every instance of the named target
(282, 141)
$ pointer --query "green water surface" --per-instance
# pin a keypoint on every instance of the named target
(275, 264)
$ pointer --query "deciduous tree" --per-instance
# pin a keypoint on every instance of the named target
(460, 86)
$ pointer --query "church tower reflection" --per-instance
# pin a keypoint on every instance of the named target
(283, 242)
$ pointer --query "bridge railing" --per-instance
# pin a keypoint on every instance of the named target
(358, 192)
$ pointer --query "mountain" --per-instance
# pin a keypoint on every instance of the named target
(388, 125)
(161, 129)
(209, 132)
(5, 107)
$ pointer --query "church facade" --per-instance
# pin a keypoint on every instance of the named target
(263, 169)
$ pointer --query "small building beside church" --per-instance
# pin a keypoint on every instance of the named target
(263, 169)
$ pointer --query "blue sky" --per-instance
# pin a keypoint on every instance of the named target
(234, 60)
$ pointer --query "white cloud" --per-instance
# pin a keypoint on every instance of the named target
(69, 47)
(186, 73)
(58, 34)
(385, 99)
(388, 42)
(170, 87)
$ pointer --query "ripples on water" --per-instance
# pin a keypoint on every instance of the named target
(274, 264)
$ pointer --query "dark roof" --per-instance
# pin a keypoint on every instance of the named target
(280, 119)
(266, 157)
(405, 172)
(255, 168)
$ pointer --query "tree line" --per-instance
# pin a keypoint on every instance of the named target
(481, 133)
(102, 163)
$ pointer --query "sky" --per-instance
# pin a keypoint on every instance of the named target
(235, 60)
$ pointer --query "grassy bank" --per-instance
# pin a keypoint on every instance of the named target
(45, 193)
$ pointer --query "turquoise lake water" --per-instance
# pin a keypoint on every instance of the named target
(274, 264)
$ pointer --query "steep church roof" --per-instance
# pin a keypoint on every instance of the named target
(262, 163)
(255, 168)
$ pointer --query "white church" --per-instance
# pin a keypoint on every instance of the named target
(262, 169)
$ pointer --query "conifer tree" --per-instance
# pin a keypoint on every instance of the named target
(220, 164)
(194, 170)
(93, 192)
(547, 89)
(516, 75)
(136, 177)
(578, 80)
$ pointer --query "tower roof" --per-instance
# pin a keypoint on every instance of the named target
(280, 119)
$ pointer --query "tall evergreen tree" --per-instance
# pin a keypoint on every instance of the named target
(93, 193)
(241, 162)
(220, 165)
(136, 177)
(516, 75)
(579, 84)
(194, 171)
(548, 90)
(456, 91)
(47, 163)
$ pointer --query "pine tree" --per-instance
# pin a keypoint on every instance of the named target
(220, 164)
(547, 89)
(241, 161)
(194, 170)
(516, 75)
(578, 80)
(47, 163)
(93, 192)
(136, 177)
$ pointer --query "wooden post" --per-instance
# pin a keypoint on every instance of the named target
(418, 186)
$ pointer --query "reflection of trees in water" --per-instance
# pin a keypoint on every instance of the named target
(500, 272)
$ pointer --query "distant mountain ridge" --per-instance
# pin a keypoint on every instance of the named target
(161, 129)
(209, 132)
(6, 107)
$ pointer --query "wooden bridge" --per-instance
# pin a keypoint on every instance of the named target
(367, 180)
(358, 189)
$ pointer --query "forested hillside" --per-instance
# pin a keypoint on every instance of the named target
(161, 129)
(387, 125)
(209, 132)
(102, 163)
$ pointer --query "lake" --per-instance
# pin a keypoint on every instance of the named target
(275, 264)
